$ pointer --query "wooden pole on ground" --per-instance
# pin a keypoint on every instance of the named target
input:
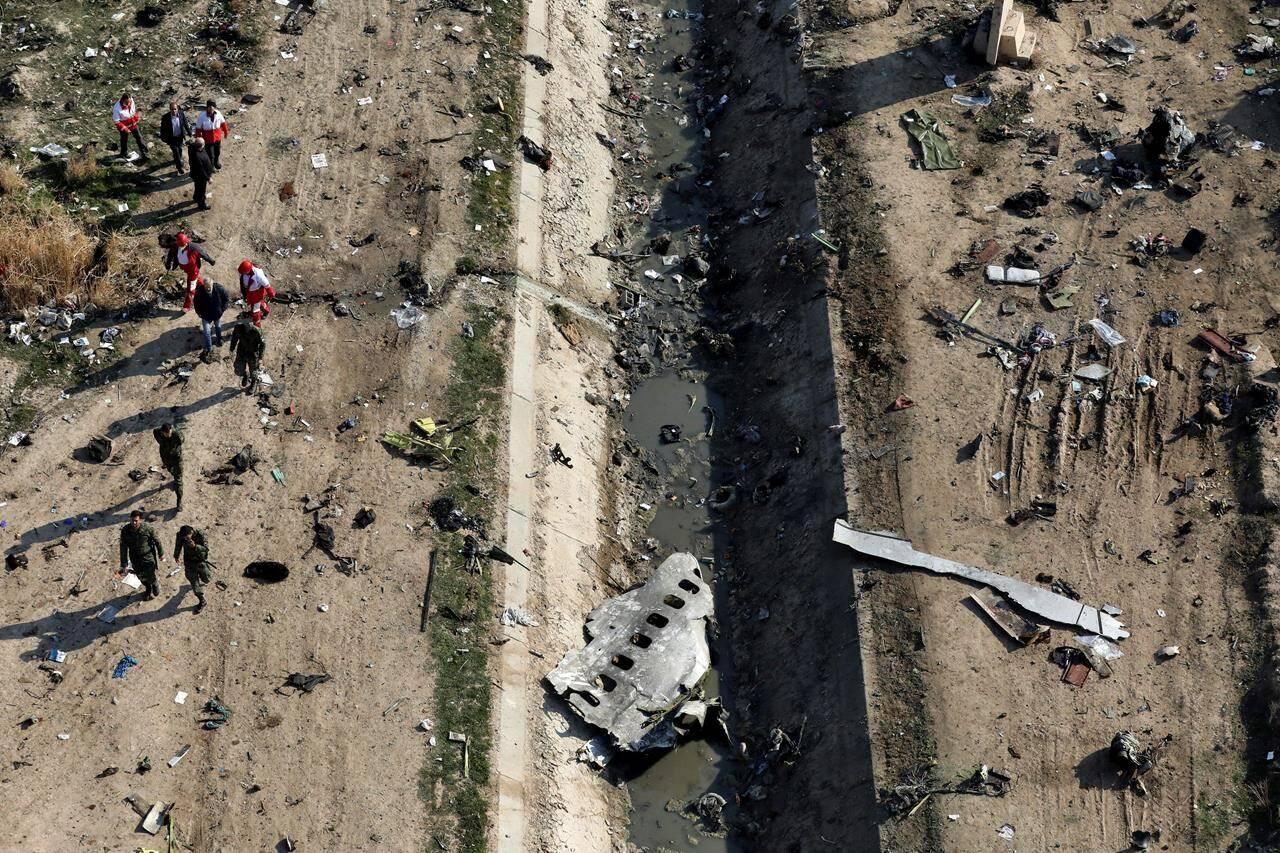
(426, 594)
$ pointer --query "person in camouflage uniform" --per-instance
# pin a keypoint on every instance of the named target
(170, 441)
(140, 549)
(248, 343)
(190, 547)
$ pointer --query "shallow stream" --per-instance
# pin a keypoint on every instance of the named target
(675, 394)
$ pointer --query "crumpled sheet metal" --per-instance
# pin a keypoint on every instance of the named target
(1048, 605)
(647, 650)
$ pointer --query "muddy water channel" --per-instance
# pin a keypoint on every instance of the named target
(671, 414)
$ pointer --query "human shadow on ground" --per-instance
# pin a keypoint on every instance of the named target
(54, 530)
(173, 212)
(172, 343)
(74, 630)
(143, 421)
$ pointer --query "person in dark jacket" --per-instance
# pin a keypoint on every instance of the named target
(175, 130)
(201, 170)
(210, 303)
(249, 344)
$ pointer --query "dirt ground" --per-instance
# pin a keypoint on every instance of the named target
(885, 672)
(943, 684)
(333, 769)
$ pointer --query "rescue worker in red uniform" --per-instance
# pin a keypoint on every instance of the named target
(125, 115)
(256, 289)
(188, 257)
(212, 128)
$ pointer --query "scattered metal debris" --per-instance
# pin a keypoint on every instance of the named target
(920, 784)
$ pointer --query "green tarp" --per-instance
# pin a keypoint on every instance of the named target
(935, 151)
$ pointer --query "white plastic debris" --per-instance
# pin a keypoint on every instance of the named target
(1094, 372)
(1104, 647)
(1167, 652)
(51, 149)
(407, 316)
(512, 616)
(1109, 335)
(1012, 275)
(1006, 832)
(180, 698)
(1017, 275)
(319, 161)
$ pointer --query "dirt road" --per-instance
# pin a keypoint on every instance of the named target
(331, 769)
(547, 799)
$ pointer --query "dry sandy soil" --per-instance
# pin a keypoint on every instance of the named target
(943, 684)
(328, 769)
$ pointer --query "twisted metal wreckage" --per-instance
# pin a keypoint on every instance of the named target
(647, 651)
(1048, 605)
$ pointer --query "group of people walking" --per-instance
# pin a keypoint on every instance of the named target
(210, 301)
(201, 140)
(142, 552)
(140, 547)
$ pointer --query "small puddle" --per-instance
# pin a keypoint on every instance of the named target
(672, 415)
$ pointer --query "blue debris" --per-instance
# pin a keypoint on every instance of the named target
(123, 667)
